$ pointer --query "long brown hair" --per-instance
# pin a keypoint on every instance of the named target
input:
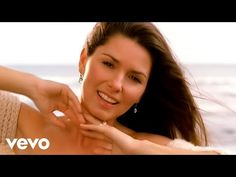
(167, 106)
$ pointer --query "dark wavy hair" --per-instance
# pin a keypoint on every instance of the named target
(167, 106)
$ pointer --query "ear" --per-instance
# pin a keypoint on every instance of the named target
(82, 61)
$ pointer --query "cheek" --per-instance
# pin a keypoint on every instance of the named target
(133, 96)
(94, 73)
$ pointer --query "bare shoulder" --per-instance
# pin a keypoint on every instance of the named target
(159, 139)
(30, 121)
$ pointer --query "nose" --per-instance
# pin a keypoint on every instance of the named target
(116, 83)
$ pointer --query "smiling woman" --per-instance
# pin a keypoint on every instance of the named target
(130, 84)
(114, 79)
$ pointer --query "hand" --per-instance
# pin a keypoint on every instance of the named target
(89, 145)
(100, 145)
(122, 143)
(51, 96)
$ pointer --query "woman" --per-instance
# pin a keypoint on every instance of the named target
(131, 82)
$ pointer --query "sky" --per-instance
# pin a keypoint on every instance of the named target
(61, 42)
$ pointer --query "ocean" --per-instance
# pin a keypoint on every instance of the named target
(214, 88)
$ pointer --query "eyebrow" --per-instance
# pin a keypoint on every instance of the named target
(117, 61)
(114, 59)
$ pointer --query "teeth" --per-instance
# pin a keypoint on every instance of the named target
(106, 98)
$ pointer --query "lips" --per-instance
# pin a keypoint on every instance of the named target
(107, 98)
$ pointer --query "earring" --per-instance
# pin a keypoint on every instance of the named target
(135, 108)
(80, 78)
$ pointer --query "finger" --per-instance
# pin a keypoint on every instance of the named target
(77, 114)
(93, 127)
(76, 119)
(54, 119)
(102, 151)
(75, 102)
(104, 144)
(94, 135)
(96, 131)
(110, 132)
(69, 109)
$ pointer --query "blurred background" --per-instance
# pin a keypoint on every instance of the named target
(205, 51)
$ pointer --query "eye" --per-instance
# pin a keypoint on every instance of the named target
(135, 79)
(108, 64)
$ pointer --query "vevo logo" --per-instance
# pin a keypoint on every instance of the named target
(23, 143)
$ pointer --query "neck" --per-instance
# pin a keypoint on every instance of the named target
(93, 119)
(70, 140)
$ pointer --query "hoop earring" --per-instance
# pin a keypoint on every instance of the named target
(81, 78)
(135, 108)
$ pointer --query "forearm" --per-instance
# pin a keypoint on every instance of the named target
(157, 144)
(147, 147)
(17, 82)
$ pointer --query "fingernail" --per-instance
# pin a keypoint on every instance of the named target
(103, 123)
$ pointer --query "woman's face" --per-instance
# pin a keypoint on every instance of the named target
(115, 77)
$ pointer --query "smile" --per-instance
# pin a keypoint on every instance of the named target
(107, 98)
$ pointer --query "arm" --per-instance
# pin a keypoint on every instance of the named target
(48, 96)
(143, 144)
(17, 82)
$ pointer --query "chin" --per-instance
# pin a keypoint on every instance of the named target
(104, 116)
